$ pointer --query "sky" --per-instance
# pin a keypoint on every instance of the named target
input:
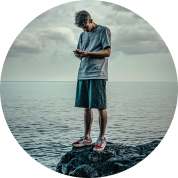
(42, 51)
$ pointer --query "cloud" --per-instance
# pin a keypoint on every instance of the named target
(54, 30)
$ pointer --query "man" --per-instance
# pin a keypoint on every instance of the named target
(94, 46)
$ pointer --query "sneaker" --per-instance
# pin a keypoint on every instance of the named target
(82, 142)
(100, 144)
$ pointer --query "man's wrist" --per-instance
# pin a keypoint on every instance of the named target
(101, 53)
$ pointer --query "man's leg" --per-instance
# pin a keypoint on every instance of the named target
(88, 119)
(102, 122)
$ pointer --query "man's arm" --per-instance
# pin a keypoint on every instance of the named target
(103, 53)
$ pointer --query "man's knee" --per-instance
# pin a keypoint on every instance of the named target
(87, 109)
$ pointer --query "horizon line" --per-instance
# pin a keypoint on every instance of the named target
(76, 81)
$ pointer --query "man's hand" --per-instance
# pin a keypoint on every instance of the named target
(78, 55)
(84, 53)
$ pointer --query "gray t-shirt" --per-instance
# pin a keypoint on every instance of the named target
(94, 67)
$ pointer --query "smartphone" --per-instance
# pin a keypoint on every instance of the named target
(77, 52)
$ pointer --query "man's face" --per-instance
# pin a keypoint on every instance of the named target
(88, 26)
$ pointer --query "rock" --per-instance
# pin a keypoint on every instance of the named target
(115, 158)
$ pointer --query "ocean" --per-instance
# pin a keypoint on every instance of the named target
(44, 121)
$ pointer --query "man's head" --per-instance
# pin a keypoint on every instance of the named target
(83, 20)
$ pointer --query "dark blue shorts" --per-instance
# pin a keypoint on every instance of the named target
(91, 93)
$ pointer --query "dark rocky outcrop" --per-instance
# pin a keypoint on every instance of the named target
(115, 158)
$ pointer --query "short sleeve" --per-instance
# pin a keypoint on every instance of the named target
(106, 38)
(79, 43)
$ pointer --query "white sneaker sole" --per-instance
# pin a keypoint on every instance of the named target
(80, 145)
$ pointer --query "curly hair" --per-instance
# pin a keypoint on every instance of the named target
(81, 18)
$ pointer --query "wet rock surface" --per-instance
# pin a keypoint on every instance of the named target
(115, 158)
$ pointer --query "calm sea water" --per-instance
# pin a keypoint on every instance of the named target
(44, 121)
